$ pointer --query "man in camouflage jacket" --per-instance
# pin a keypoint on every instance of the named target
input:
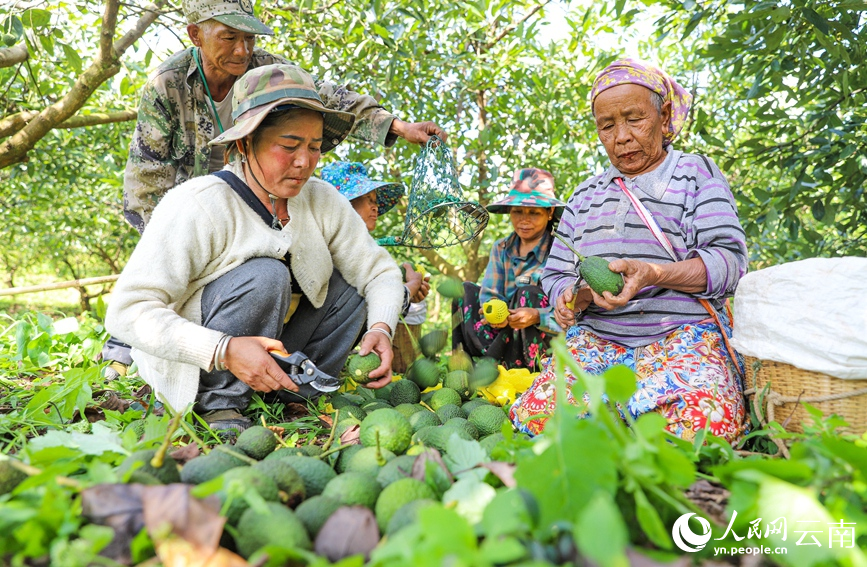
(176, 117)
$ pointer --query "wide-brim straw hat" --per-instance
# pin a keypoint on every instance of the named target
(530, 187)
(351, 180)
(261, 90)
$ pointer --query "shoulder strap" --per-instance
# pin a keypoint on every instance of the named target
(647, 217)
(246, 194)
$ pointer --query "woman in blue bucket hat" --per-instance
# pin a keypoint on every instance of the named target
(371, 199)
(512, 276)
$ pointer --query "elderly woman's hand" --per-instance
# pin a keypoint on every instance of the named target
(378, 342)
(637, 275)
(248, 359)
(563, 314)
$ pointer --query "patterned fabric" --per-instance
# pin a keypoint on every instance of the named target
(507, 271)
(521, 348)
(236, 14)
(267, 88)
(529, 188)
(351, 180)
(631, 71)
(687, 377)
(175, 124)
(691, 201)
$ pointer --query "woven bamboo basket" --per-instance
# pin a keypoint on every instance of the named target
(848, 398)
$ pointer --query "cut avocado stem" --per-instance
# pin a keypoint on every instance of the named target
(569, 246)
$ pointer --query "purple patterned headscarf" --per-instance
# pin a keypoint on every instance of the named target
(632, 71)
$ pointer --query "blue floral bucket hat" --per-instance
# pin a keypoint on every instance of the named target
(351, 180)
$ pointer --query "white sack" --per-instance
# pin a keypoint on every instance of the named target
(811, 314)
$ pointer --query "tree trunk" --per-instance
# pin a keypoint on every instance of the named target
(107, 64)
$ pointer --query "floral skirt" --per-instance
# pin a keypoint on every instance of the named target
(513, 348)
(688, 377)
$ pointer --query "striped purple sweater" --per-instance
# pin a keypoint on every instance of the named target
(691, 201)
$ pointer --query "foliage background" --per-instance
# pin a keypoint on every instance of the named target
(779, 104)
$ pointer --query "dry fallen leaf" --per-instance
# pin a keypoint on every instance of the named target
(351, 436)
(503, 471)
(171, 509)
(351, 530)
(186, 453)
(118, 506)
(177, 552)
(419, 467)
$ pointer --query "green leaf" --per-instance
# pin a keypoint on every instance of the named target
(502, 551)
(620, 383)
(13, 26)
(818, 210)
(72, 56)
(36, 18)
(469, 497)
(818, 21)
(462, 456)
(649, 520)
(601, 533)
(572, 479)
(509, 513)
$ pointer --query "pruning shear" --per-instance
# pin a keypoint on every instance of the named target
(302, 370)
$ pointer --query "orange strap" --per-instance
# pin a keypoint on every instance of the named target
(722, 330)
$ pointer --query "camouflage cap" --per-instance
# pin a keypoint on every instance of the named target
(261, 90)
(237, 14)
(530, 188)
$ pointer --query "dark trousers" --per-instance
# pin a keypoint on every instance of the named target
(252, 300)
(513, 348)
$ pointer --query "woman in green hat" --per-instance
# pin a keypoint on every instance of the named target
(257, 257)
(512, 276)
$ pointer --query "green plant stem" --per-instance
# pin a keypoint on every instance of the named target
(192, 433)
(30, 470)
(330, 439)
(236, 454)
(160, 455)
(569, 246)
(330, 452)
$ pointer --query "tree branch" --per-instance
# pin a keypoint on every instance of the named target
(13, 55)
(151, 13)
(16, 122)
(107, 64)
(514, 25)
(106, 32)
(441, 264)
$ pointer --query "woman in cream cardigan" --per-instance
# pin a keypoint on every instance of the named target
(259, 256)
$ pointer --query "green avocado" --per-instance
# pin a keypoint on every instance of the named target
(433, 342)
(599, 277)
(361, 366)
(256, 442)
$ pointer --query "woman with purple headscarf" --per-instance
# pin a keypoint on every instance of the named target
(667, 221)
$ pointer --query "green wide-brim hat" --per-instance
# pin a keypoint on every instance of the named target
(530, 187)
(261, 90)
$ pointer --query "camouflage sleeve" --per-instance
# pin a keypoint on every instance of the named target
(151, 169)
(373, 120)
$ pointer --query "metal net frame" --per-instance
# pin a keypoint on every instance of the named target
(437, 215)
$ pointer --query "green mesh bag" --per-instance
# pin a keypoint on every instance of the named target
(437, 215)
